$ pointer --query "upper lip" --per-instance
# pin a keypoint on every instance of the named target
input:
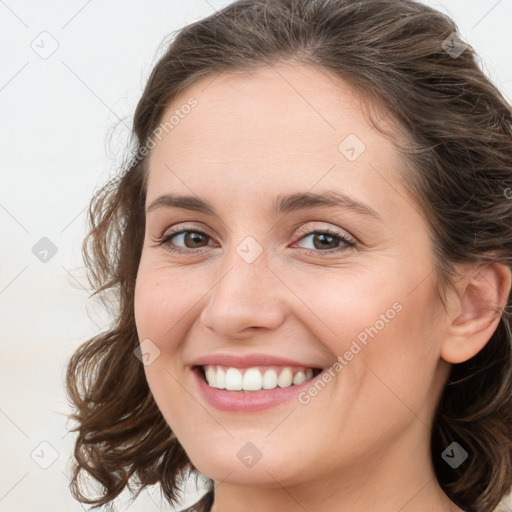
(248, 360)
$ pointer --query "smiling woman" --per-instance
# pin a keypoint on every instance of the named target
(329, 221)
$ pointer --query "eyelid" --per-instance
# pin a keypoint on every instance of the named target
(305, 229)
(187, 226)
(182, 227)
(308, 229)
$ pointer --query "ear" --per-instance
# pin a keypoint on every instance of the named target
(475, 310)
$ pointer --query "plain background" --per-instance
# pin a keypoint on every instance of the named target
(58, 112)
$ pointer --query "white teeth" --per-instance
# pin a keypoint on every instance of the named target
(252, 379)
(233, 379)
(211, 375)
(285, 379)
(299, 378)
(270, 379)
(220, 380)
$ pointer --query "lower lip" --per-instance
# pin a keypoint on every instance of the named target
(247, 401)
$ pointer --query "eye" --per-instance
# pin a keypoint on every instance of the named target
(322, 239)
(195, 239)
(191, 238)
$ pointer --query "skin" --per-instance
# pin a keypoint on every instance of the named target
(364, 439)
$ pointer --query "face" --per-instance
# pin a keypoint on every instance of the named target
(259, 280)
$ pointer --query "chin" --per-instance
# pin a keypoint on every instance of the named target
(227, 467)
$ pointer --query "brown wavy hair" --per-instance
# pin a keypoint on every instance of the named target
(460, 154)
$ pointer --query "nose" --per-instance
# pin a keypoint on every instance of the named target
(246, 298)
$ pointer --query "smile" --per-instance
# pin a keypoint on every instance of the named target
(256, 378)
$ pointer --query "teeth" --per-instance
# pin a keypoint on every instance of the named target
(285, 379)
(253, 379)
(233, 379)
(299, 378)
(270, 379)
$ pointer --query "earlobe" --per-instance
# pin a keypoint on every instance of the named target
(482, 295)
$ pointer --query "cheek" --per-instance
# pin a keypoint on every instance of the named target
(161, 302)
(379, 326)
(162, 299)
(165, 305)
(342, 305)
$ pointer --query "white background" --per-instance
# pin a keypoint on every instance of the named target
(56, 118)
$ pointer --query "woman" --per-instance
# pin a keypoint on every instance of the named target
(312, 250)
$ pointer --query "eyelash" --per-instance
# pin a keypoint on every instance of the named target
(166, 239)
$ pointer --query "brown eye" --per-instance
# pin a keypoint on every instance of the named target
(327, 241)
(191, 239)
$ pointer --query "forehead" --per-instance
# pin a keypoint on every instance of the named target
(269, 109)
(275, 129)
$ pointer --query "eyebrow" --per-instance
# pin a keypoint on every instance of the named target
(281, 204)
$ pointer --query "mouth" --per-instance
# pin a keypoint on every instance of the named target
(256, 378)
